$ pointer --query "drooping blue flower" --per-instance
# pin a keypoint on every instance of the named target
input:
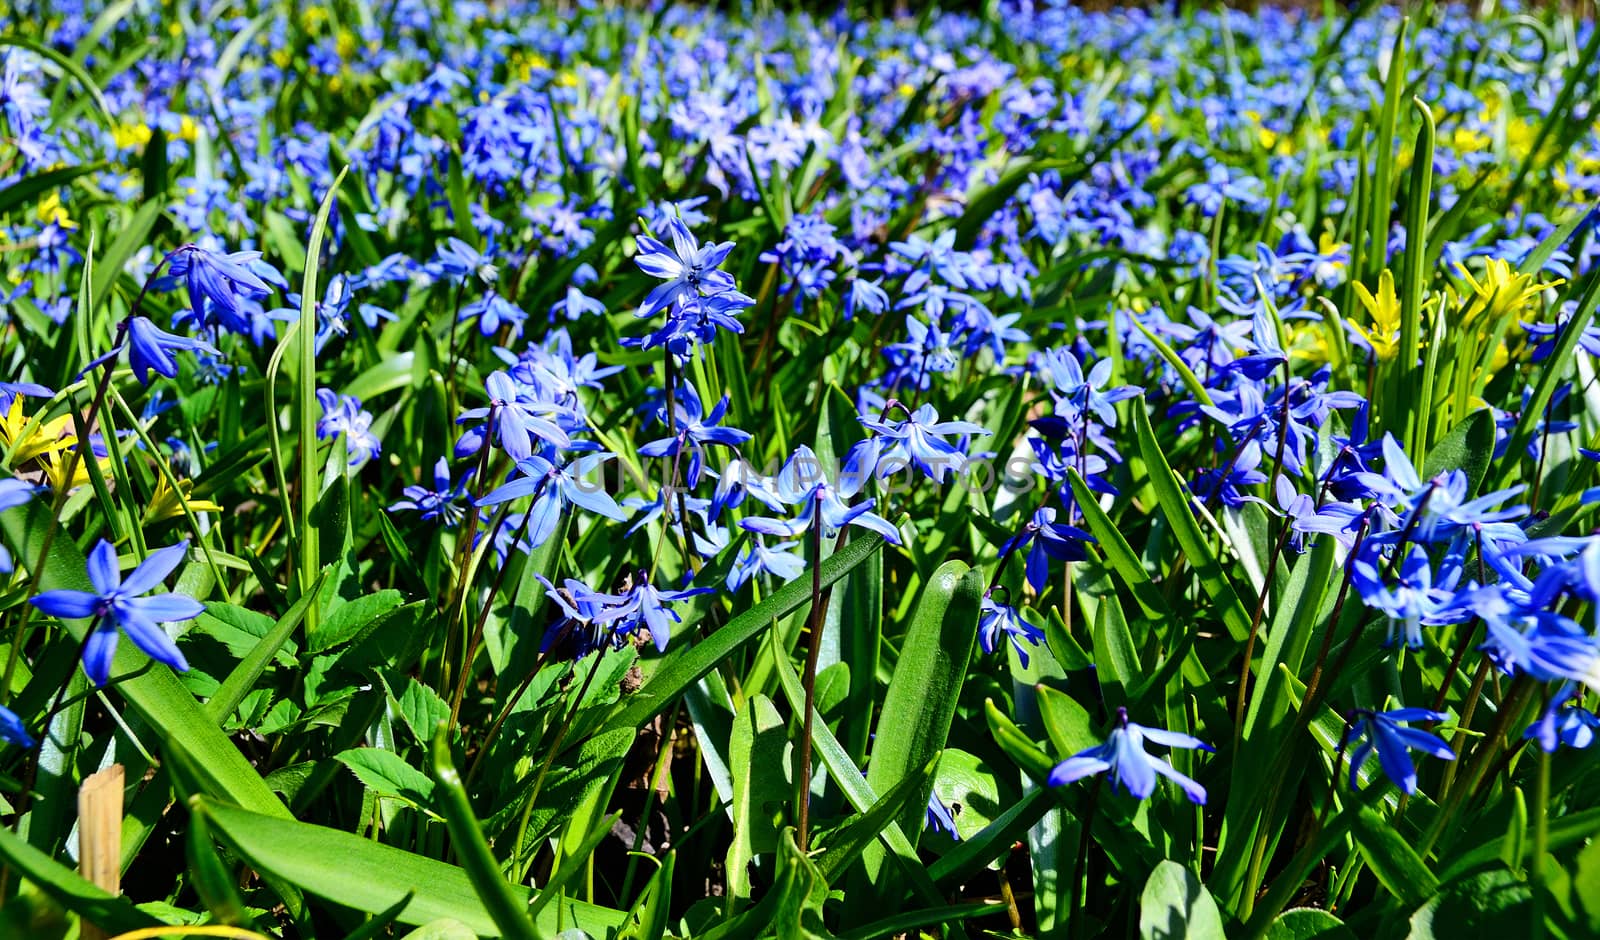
(116, 603)
(1047, 540)
(1132, 769)
(13, 730)
(216, 281)
(443, 502)
(1384, 733)
(581, 606)
(151, 348)
(557, 487)
(644, 607)
(997, 619)
(693, 430)
(13, 493)
(803, 480)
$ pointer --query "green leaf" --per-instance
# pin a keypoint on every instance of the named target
(991, 842)
(29, 188)
(69, 889)
(1175, 506)
(1468, 447)
(759, 762)
(111, 263)
(211, 878)
(421, 709)
(500, 898)
(858, 792)
(1308, 923)
(350, 619)
(1392, 859)
(1490, 904)
(1119, 555)
(922, 696)
(1116, 661)
(1176, 904)
(244, 676)
(847, 843)
(368, 876)
(688, 664)
(387, 774)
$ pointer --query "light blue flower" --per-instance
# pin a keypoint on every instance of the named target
(1132, 769)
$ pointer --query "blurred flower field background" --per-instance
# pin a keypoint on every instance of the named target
(640, 471)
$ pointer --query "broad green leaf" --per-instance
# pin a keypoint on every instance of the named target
(922, 696)
(368, 876)
(1468, 447)
(1392, 859)
(758, 756)
(847, 843)
(1490, 904)
(387, 774)
(1196, 547)
(1175, 904)
(1308, 923)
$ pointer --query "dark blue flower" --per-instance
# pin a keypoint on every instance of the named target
(116, 602)
(13, 730)
(694, 429)
(1384, 733)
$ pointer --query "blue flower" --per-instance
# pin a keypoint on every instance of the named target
(1417, 598)
(780, 561)
(1382, 732)
(224, 281)
(13, 493)
(1049, 540)
(695, 429)
(13, 730)
(492, 312)
(150, 347)
(116, 602)
(940, 818)
(688, 268)
(342, 414)
(443, 502)
(642, 606)
(997, 618)
(520, 417)
(1132, 770)
(803, 480)
(557, 487)
(581, 606)
(1561, 723)
(918, 441)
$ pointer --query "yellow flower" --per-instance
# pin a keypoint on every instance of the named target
(1384, 309)
(47, 437)
(166, 503)
(126, 136)
(1502, 292)
(50, 211)
(1309, 343)
(55, 470)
